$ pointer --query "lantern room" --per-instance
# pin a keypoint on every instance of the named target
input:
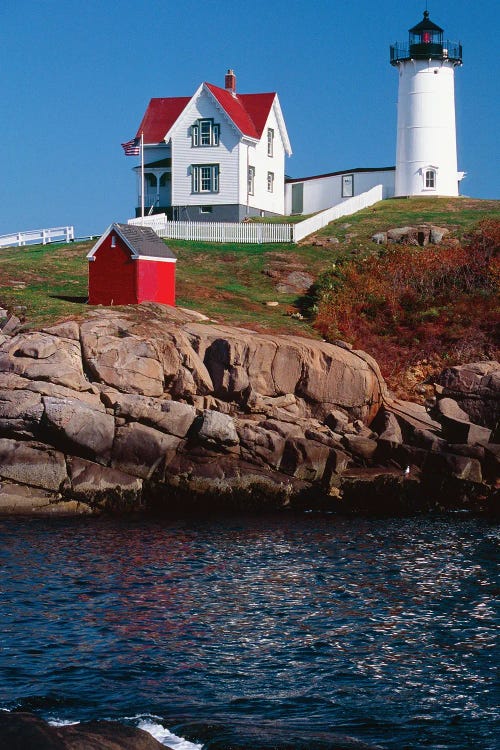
(426, 38)
(426, 43)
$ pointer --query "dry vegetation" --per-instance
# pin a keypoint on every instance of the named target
(414, 309)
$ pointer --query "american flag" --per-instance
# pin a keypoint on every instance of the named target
(133, 147)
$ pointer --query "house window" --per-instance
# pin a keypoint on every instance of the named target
(251, 180)
(113, 240)
(270, 141)
(206, 209)
(205, 133)
(430, 179)
(205, 178)
(347, 185)
(270, 182)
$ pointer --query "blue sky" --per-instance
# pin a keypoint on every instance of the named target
(76, 78)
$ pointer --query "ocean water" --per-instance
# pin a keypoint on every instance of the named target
(298, 631)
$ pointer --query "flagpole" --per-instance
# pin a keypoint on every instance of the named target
(142, 175)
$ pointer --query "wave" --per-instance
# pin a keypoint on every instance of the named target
(163, 735)
(149, 725)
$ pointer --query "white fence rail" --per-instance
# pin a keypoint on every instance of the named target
(37, 236)
(217, 231)
(212, 231)
(348, 207)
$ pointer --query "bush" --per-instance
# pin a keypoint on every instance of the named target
(410, 302)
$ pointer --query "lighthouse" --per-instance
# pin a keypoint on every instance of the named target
(426, 152)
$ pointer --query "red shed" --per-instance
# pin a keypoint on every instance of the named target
(131, 264)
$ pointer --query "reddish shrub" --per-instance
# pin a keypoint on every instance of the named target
(411, 302)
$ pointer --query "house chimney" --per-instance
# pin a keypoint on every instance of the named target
(230, 82)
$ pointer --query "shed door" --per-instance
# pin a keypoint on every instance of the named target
(298, 198)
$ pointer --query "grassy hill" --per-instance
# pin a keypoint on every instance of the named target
(231, 282)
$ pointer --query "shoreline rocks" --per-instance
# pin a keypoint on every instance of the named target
(148, 409)
(25, 731)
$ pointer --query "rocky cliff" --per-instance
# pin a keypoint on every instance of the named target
(156, 409)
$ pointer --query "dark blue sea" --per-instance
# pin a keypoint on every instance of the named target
(288, 631)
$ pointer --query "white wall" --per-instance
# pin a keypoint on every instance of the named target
(325, 191)
(262, 199)
(184, 155)
(426, 127)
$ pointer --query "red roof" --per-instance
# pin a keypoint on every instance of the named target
(160, 116)
(249, 112)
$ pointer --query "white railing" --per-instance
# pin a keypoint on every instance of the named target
(350, 206)
(214, 231)
(38, 236)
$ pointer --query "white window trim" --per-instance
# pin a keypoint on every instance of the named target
(270, 142)
(198, 178)
(347, 185)
(251, 180)
(213, 133)
(270, 182)
(430, 171)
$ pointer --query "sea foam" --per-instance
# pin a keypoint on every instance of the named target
(166, 737)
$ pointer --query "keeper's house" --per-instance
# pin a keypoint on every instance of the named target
(214, 156)
(129, 265)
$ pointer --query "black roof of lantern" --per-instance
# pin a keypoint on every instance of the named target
(425, 25)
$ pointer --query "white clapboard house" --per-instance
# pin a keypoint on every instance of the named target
(215, 156)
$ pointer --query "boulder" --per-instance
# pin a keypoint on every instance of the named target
(319, 375)
(457, 427)
(19, 499)
(295, 282)
(119, 359)
(9, 324)
(452, 465)
(304, 459)
(103, 486)
(448, 408)
(437, 234)
(476, 389)
(261, 444)
(74, 426)
(141, 450)
(32, 464)
(168, 416)
(360, 446)
(39, 356)
(217, 429)
(20, 413)
(23, 731)
(69, 329)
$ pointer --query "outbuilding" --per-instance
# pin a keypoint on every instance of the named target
(131, 264)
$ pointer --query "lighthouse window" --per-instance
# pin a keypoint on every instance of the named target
(430, 179)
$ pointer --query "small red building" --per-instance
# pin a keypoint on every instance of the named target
(131, 264)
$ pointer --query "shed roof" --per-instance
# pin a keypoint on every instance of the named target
(143, 242)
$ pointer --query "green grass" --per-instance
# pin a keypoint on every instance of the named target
(227, 282)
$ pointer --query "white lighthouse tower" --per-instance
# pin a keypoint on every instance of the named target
(426, 153)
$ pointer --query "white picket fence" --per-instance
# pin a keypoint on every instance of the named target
(348, 207)
(37, 236)
(257, 233)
